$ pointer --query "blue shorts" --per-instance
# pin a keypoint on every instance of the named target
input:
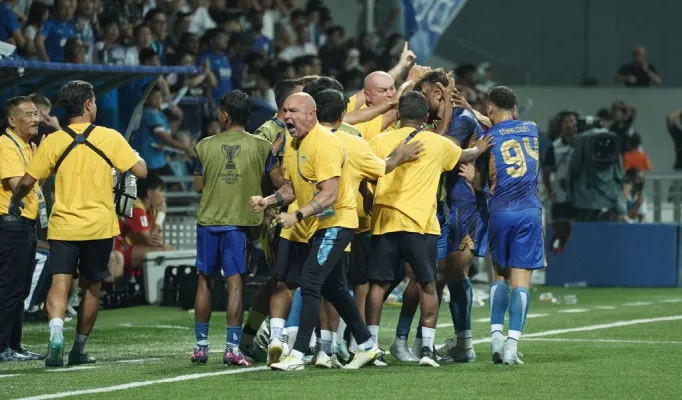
(221, 247)
(481, 240)
(463, 224)
(516, 238)
(444, 236)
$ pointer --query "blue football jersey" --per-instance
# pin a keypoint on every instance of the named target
(513, 167)
(465, 130)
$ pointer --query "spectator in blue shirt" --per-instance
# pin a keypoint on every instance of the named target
(261, 43)
(154, 139)
(9, 25)
(220, 64)
(156, 20)
(56, 31)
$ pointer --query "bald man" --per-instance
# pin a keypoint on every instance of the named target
(317, 177)
(639, 72)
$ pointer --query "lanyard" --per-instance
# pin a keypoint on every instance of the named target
(21, 151)
(410, 136)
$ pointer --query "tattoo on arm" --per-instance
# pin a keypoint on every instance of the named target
(279, 200)
(316, 206)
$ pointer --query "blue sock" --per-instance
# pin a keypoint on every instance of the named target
(201, 333)
(295, 312)
(234, 337)
(518, 310)
(499, 302)
(461, 301)
(402, 331)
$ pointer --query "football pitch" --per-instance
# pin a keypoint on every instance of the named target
(611, 344)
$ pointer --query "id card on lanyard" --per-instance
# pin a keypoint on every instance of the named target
(42, 207)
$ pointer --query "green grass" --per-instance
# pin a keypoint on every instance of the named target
(596, 363)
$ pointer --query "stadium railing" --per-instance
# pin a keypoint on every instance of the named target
(23, 77)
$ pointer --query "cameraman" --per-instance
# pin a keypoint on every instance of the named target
(596, 173)
(555, 167)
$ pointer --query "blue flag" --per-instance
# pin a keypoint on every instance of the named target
(426, 21)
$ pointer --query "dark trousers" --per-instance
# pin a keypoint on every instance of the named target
(324, 274)
(17, 260)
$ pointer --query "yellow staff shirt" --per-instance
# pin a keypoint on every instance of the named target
(84, 203)
(13, 165)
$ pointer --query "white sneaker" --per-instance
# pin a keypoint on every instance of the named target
(275, 350)
(417, 348)
(497, 350)
(335, 362)
(289, 363)
(511, 355)
(322, 360)
(400, 351)
(362, 358)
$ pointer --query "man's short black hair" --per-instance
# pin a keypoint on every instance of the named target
(283, 89)
(151, 182)
(303, 81)
(136, 30)
(149, 16)
(237, 105)
(412, 106)
(40, 100)
(502, 97)
(331, 104)
(72, 97)
(14, 102)
(321, 84)
(431, 78)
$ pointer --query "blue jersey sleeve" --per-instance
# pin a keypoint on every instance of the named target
(47, 28)
(461, 128)
(197, 166)
(9, 23)
(271, 162)
(153, 119)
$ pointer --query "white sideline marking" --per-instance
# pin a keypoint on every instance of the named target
(604, 307)
(133, 385)
(181, 378)
(9, 375)
(574, 310)
(637, 303)
(138, 360)
(601, 341)
(592, 327)
(672, 301)
(69, 369)
(129, 325)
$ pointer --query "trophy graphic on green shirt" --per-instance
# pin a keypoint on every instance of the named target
(231, 152)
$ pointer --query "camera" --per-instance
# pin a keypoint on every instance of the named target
(587, 122)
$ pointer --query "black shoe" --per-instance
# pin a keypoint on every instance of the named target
(428, 358)
(77, 358)
(380, 361)
(31, 355)
(11, 355)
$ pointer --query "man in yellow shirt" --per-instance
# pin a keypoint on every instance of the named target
(364, 165)
(316, 174)
(18, 243)
(404, 223)
(83, 222)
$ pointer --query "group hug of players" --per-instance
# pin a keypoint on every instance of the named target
(361, 193)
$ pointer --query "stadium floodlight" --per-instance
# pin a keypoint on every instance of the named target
(6, 49)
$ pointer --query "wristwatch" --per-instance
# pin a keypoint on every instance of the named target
(299, 216)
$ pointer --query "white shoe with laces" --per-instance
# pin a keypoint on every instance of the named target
(400, 351)
(275, 350)
(289, 363)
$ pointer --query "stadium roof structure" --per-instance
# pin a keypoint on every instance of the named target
(21, 77)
